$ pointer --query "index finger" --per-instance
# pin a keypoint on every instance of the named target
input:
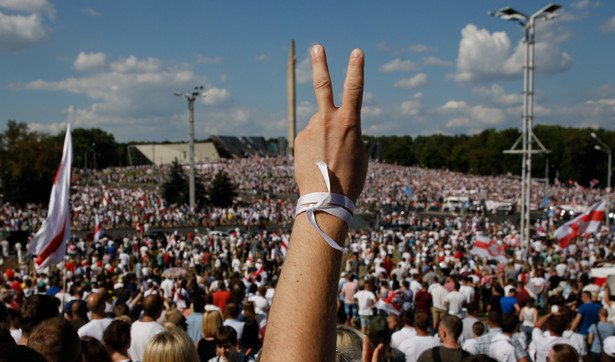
(322, 80)
(353, 86)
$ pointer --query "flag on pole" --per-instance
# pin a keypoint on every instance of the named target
(487, 248)
(49, 243)
(99, 232)
(248, 220)
(586, 223)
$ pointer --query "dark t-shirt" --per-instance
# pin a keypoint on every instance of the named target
(446, 355)
(494, 302)
(206, 349)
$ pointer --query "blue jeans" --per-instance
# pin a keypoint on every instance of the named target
(351, 309)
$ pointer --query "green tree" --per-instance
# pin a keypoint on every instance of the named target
(176, 188)
(29, 163)
(222, 190)
(96, 146)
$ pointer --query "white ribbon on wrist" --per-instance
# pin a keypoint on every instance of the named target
(333, 204)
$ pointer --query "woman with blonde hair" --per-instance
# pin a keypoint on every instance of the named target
(206, 346)
(169, 346)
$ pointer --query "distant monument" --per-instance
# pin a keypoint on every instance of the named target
(291, 99)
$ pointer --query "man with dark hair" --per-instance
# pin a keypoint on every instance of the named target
(587, 314)
(406, 331)
(563, 353)
(469, 320)
(117, 340)
(77, 315)
(144, 329)
(56, 339)
(509, 303)
(449, 331)
(502, 347)
(194, 320)
(494, 321)
(556, 325)
(98, 321)
(35, 309)
(232, 319)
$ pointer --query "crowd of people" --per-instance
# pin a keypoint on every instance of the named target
(263, 293)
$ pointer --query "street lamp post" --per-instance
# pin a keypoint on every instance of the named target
(527, 136)
(191, 97)
(606, 149)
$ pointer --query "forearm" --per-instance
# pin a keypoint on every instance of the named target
(308, 281)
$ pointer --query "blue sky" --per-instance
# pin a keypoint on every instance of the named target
(431, 66)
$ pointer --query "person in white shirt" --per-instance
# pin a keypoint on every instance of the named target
(406, 332)
(98, 323)
(365, 299)
(414, 346)
(502, 348)
(543, 342)
(467, 290)
(470, 344)
(146, 328)
(455, 301)
(438, 298)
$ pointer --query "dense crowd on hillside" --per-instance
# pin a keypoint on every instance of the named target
(211, 291)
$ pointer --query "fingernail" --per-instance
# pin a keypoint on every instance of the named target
(316, 49)
(357, 53)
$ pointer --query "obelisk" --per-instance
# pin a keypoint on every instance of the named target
(291, 99)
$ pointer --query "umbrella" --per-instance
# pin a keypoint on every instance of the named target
(175, 272)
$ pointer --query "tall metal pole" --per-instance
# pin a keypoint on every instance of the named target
(191, 182)
(291, 99)
(527, 137)
(191, 147)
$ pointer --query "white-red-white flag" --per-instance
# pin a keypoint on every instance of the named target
(586, 223)
(49, 243)
(488, 248)
(99, 232)
(248, 220)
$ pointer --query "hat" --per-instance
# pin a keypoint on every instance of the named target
(16, 285)
(9, 273)
(378, 326)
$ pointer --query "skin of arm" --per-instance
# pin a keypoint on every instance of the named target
(301, 323)
(576, 322)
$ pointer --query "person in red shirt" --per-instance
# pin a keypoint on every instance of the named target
(221, 296)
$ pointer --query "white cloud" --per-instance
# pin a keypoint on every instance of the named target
(604, 91)
(90, 12)
(418, 81)
(609, 26)
(201, 59)
(90, 61)
(53, 128)
(485, 57)
(30, 6)
(398, 65)
(262, 57)
(134, 65)
(436, 62)
(371, 111)
(303, 71)
(18, 32)
(413, 106)
(216, 97)
(419, 48)
(497, 96)
(383, 47)
(582, 4)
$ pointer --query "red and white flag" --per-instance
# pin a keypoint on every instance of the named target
(49, 243)
(586, 223)
(284, 244)
(99, 232)
(248, 220)
(487, 248)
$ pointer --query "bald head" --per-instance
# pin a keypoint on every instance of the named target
(96, 303)
(152, 305)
